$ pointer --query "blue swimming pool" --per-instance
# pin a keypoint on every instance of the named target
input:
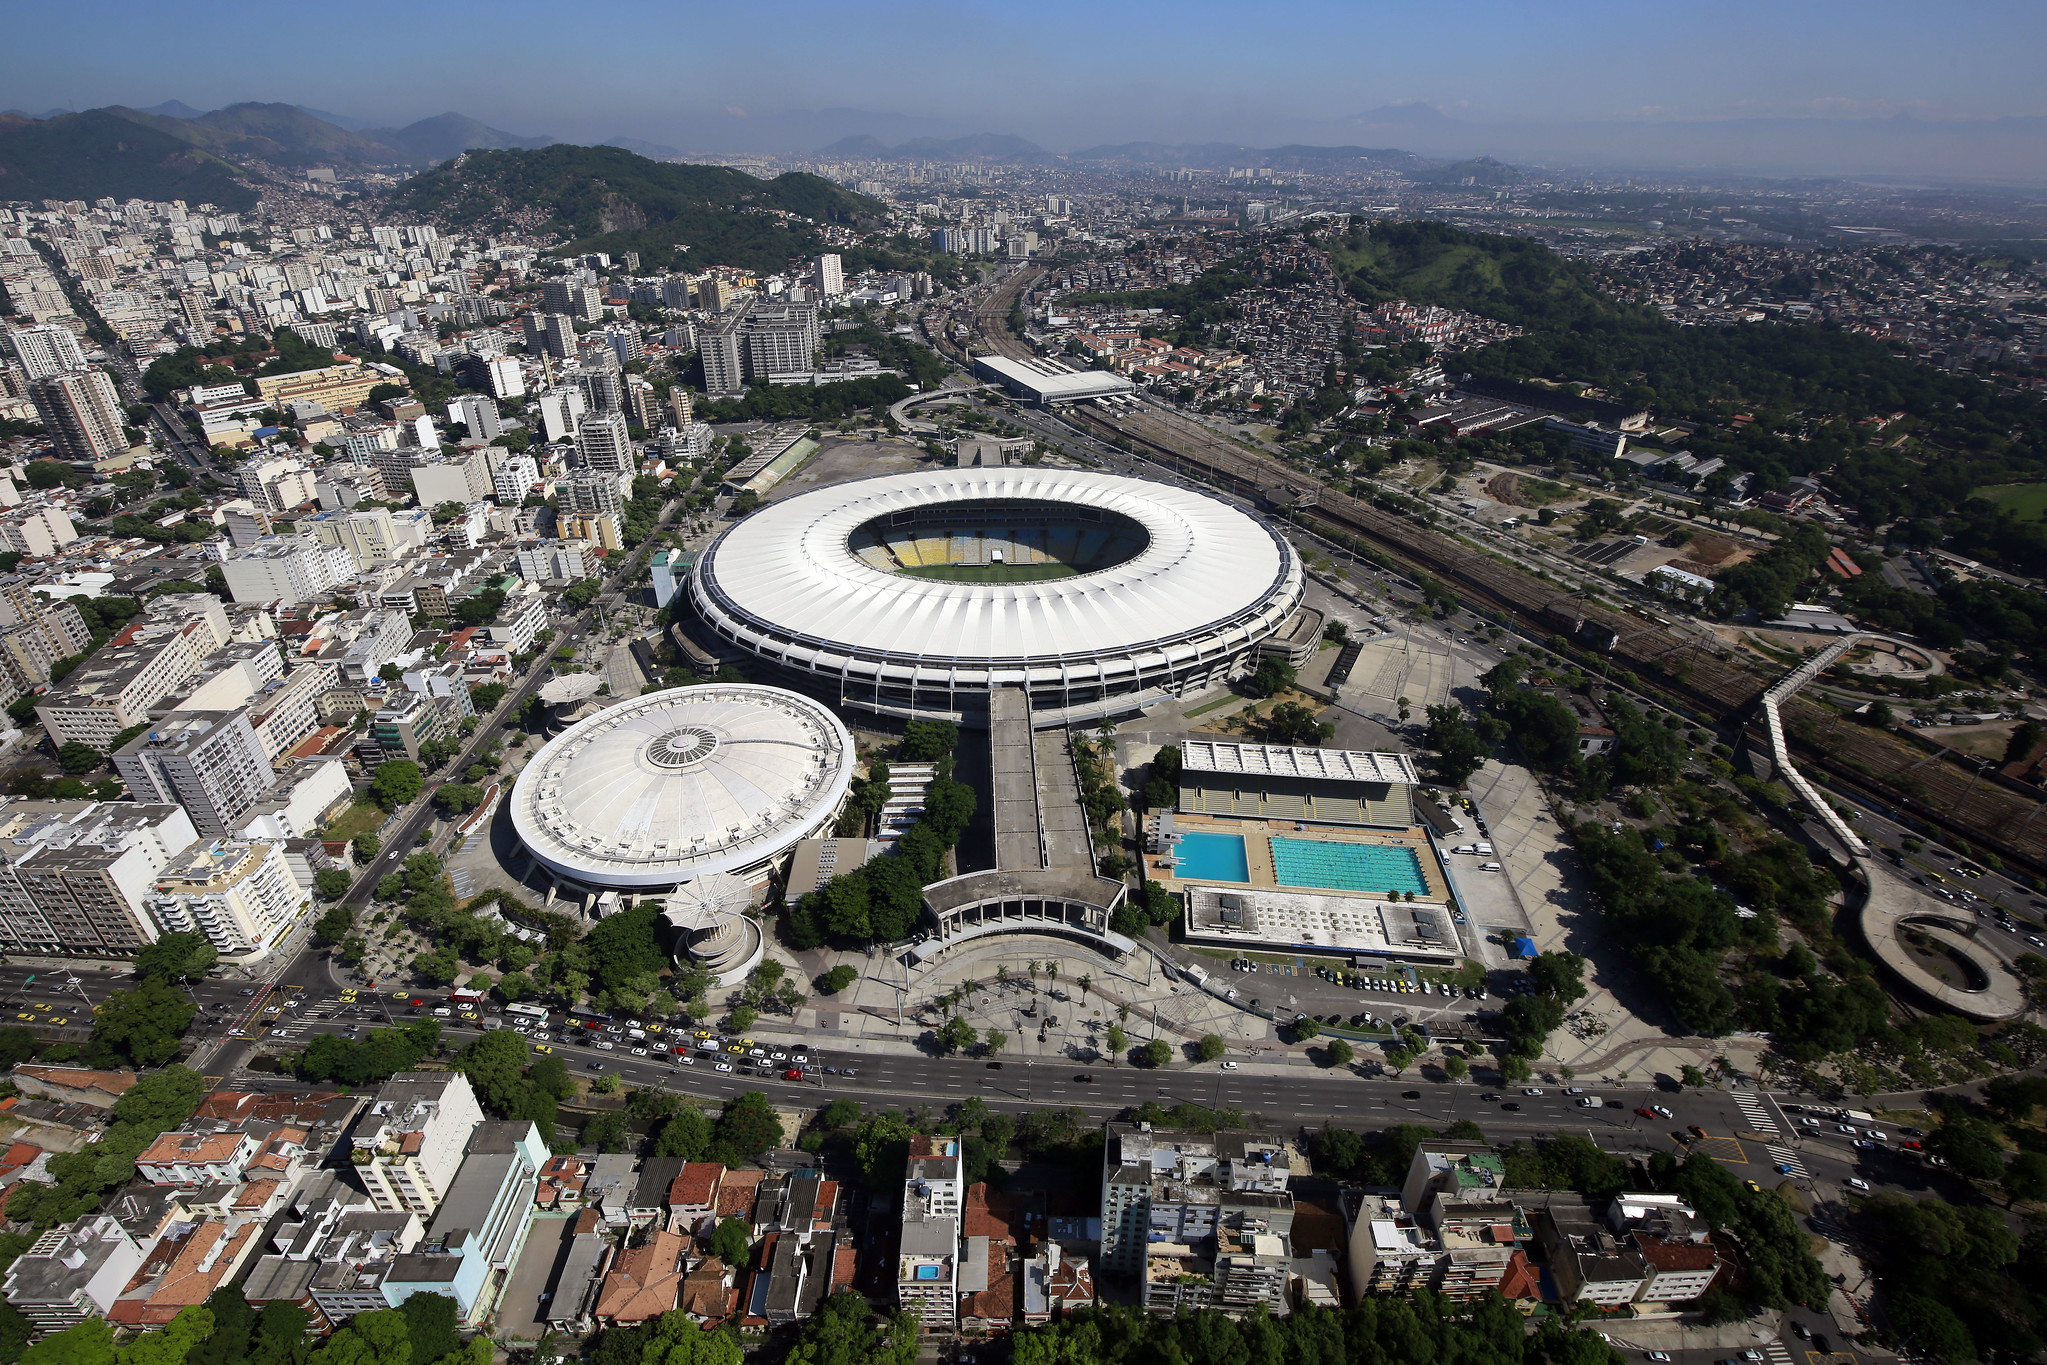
(1374, 868)
(1211, 858)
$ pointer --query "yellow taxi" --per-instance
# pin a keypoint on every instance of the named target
(653, 1028)
(30, 1017)
(542, 1047)
(468, 1014)
(39, 1007)
(736, 1047)
(401, 995)
(703, 1033)
(60, 1021)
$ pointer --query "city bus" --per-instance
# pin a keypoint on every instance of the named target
(527, 1011)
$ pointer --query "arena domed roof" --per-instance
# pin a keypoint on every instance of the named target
(683, 783)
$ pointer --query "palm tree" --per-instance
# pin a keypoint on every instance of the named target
(1123, 1013)
(1002, 972)
(1085, 981)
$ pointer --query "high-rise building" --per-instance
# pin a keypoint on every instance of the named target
(589, 491)
(512, 476)
(561, 410)
(287, 569)
(626, 344)
(410, 1144)
(603, 388)
(81, 413)
(828, 276)
(276, 484)
(239, 893)
(580, 301)
(209, 762)
(714, 295)
(45, 350)
(497, 375)
(551, 333)
(1183, 1189)
(604, 444)
(724, 355)
(682, 407)
(781, 338)
(479, 413)
(75, 875)
(675, 292)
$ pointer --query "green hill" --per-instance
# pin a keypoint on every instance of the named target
(98, 152)
(608, 199)
(1513, 279)
(281, 134)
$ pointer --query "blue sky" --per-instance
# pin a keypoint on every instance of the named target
(1062, 73)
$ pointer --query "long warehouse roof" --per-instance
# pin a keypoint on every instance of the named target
(1279, 760)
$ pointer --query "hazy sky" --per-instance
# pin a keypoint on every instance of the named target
(1062, 73)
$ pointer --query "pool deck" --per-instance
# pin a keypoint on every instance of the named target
(1258, 835)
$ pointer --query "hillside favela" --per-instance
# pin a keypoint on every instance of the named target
(1093, 685)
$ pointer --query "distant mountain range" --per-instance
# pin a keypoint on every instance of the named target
(978, 147)
(286, 135)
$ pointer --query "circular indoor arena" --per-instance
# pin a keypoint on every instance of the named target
(914, 595)
(681, 785)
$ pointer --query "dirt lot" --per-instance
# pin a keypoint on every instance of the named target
(842, 461)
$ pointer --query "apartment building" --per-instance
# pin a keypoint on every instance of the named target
(73, 1273)
(38, 531)
(513, 475)
(927, 1263)
(276, 484)
(241, 894)
(555, 561)
(408, 1147)
(81, 414)
(481, 1224)
(458, 479)
(45, 350)
(115, 689)
(192, 1159)
(286, 569)
(209, 762)
(1188, 1190)
(338, 388)
(374, 537)
(75, 875)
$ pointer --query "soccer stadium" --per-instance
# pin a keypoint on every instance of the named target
(915, 594)
(691, 783)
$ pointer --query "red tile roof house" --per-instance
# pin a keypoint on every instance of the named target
(693, 1194)
(73, 1085)
(644, 1282)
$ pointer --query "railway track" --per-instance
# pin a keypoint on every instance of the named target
(1929, 784)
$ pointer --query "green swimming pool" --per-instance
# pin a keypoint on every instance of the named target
(1372, 868)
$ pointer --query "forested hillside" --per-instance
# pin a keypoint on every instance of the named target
(98, 153)
(608, 199)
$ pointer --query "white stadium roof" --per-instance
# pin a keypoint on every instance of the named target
(682, 784)
(1209, 568)
(1279, 760)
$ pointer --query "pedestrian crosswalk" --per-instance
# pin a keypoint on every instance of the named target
(1784, 1156)
(1756, 1110)
(1777, 1353)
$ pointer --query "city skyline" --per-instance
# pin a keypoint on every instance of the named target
(1823, 88)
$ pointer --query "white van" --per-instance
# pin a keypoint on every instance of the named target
(1482, 848)
(1589, 1102)
(1489, 867)
(1468, 848)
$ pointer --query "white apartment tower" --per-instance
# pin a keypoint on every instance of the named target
(408, 1147)
(209, 762)
(829, 276)
(45, 350)
(604, 443)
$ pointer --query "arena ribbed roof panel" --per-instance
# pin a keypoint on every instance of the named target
(788, 574)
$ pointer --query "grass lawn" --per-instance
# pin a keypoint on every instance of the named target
(359, 818)
(991, 573)
(2026, 501)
